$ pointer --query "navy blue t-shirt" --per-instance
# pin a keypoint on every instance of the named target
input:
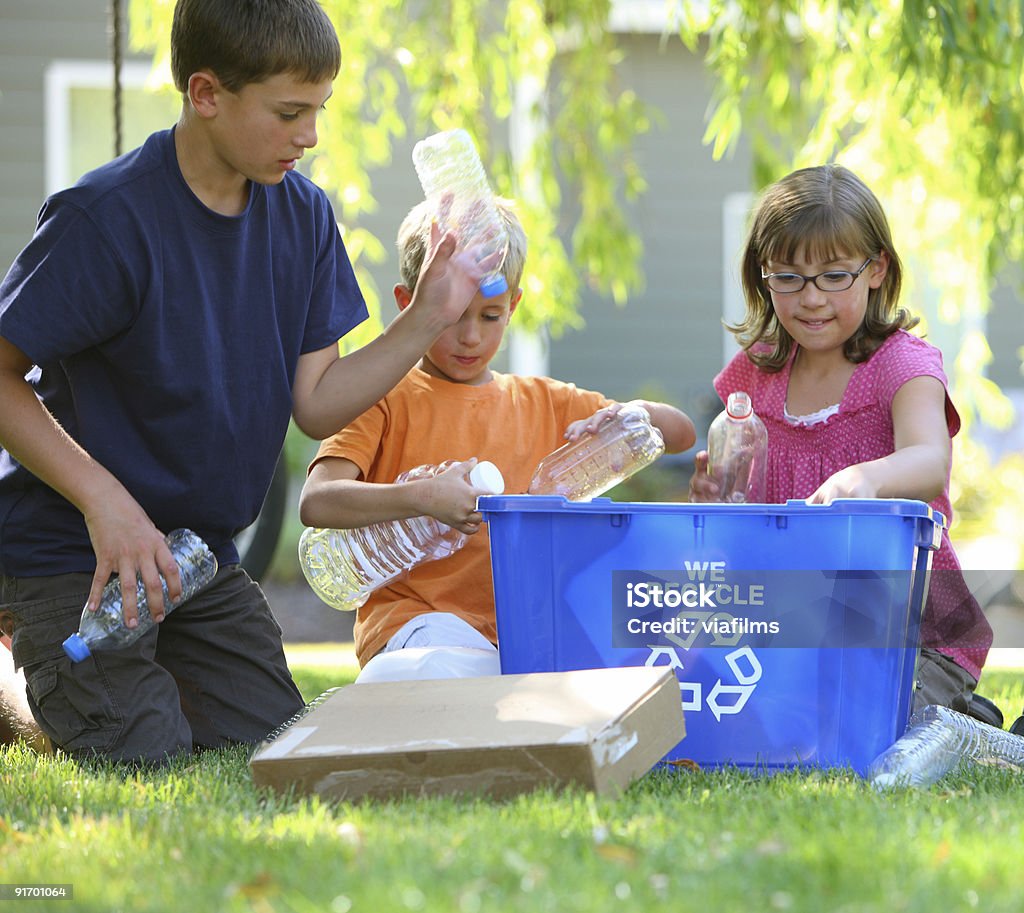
(165, 338)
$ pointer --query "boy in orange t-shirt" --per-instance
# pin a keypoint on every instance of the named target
(451, 407)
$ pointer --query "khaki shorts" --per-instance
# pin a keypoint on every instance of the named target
(213, 673)
(942, 681)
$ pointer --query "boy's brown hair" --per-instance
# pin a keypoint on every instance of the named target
(246, 41)
(826, 213)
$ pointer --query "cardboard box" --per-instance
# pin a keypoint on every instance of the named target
(496, 736)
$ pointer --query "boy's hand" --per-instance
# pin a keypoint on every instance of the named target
(453, 498)
(126, 542)
(450, 279)
(582, 426)
(703, 488)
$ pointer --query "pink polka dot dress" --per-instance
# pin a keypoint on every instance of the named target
(802, 456)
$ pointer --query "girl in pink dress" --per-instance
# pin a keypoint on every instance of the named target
(855, 406)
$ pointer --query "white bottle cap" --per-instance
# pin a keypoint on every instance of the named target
(488, 477)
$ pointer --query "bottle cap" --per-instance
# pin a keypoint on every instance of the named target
(739, 405)
(487, 476)
(76, 648)
(494, 285)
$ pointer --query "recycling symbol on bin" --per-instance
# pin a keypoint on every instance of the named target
(744, 665)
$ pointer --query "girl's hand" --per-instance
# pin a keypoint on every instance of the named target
(851, 482)
(582, 426)
(703, 488)
(452, 498)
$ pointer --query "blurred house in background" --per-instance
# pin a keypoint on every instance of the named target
(56, 122)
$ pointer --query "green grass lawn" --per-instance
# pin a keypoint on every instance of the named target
(200, 837)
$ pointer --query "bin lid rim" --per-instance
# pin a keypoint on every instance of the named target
(904, 507)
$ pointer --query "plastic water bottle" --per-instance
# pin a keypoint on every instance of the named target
(590, 465)
(936, 741)
(738, 452)
(105, 629)
(448, 163)
(344, 566)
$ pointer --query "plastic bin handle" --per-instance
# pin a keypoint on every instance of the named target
(929, 531)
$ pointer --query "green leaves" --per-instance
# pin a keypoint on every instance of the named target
(925, 100)
(469, 63)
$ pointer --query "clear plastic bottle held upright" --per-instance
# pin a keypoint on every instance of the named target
(448, 163)
(105, 629)
(594, 463)
(738, 452)
(344, 566)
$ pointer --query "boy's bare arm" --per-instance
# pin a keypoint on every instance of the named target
(335, 497)
(123, 537)
(676, 428)
(329, 392)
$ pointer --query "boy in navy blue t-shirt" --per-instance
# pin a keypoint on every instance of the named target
(172, 311)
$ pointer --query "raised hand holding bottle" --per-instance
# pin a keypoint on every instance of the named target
(453, 177)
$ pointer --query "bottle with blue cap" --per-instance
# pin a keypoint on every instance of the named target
(448, 163)
(105, 629)
(344, 566)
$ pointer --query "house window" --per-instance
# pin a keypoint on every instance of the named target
(80, 115)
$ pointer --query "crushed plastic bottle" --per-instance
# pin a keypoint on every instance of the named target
(594, 463)
(738, 452)
(936, 741)
(448, 163)
(105, 629)
(344, 566)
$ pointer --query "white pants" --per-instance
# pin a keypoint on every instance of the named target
(433, 645)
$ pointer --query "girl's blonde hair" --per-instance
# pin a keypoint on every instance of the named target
(824, 213)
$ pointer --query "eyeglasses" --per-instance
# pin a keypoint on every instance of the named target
(833, 280)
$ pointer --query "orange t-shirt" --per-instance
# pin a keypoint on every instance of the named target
(512, 421)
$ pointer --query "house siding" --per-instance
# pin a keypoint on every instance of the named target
(32, 34)
(669, 336)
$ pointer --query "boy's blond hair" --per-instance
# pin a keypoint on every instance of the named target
(414, 241)
(249, 42)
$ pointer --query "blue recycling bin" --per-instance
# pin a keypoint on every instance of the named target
(792, 628)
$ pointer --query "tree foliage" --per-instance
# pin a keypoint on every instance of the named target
(546, 69)
(923, 98)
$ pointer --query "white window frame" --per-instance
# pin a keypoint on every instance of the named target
(61, 77)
